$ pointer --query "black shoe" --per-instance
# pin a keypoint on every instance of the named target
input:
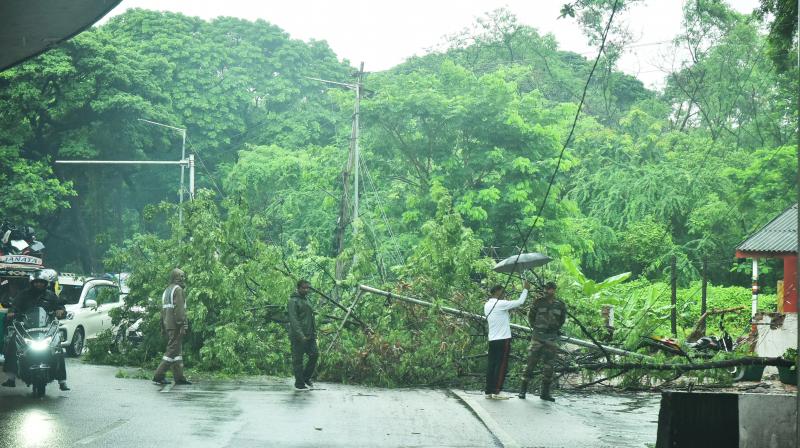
(63, 386)
(161, 382)
(183, 382)
(309, 384)
(10, 383)
(301, 387)
(547, 398)
(521, 395)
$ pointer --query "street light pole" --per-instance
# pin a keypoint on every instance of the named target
(184, 163)
(183, 158)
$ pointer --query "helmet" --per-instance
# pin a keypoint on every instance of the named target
(48, 276)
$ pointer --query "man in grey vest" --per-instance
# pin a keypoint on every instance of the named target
(174, 326)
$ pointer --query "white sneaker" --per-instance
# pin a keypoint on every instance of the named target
(489, 396)
(500, 397)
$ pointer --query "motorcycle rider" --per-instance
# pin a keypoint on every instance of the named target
(174, 326)
(38, 294)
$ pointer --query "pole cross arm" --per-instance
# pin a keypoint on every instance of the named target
(187, 162)
(184, 162)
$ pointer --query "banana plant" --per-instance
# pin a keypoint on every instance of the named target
(589, 287)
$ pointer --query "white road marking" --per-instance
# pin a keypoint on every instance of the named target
(487, 419)
(97, 434)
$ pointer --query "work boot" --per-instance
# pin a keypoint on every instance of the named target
(523, 389)
(161, 381)
(177, 371)
(10, 383)
(63, 386)
(545, 393)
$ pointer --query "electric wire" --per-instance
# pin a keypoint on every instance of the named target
(564, 147)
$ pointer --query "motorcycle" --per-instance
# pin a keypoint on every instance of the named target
(38, 344)
(127, 333)
(708, 346)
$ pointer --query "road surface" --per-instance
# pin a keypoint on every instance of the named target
(102, 410)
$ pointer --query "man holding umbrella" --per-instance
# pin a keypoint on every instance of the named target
(496, 311)
(500, 338)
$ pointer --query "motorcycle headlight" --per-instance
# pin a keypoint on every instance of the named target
(39, 345)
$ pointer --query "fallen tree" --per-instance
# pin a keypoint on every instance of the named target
(456, 312)
(746, 361)
(609, 364)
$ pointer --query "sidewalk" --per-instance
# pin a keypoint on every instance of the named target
(586, 420)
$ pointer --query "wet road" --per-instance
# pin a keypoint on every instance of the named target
(574, 420)
(103, 410)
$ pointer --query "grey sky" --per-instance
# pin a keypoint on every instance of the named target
(383, 33)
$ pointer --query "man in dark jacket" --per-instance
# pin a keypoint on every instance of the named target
(37, 295)
(174, 326)
(546, 317)
(303, 336)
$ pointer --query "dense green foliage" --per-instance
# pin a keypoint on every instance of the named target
(458, 149)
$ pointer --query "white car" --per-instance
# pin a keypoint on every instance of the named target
(88, 302)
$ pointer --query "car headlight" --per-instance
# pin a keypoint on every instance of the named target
(39, 345)
(70, 315)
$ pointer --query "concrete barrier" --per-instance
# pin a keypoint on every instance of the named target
(705, 420)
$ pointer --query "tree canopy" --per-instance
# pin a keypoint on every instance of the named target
(458, 148)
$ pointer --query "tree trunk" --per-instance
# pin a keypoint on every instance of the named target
(748, 361)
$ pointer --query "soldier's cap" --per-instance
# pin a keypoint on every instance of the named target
(550, 285)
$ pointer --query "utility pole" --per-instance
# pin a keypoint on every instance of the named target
(797, 232)
(346, 216)
(354, 144)
(704, 288)
(673, 315)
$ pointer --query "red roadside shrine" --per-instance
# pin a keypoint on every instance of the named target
(777, 330)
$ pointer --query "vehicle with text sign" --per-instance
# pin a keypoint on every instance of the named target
(15, 271)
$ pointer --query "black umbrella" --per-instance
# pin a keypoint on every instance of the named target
(520, 263)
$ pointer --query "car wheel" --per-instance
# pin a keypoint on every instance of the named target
(76, 346)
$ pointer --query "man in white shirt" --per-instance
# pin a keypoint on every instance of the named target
(496, 312)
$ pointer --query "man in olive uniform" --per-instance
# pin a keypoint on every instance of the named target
(302, 334)
(174, 326)
(546, 316)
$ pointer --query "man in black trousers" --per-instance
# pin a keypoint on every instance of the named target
(496, 311)
(303, 336)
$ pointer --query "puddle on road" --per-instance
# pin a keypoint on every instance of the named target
(212, 407)
(624, 420)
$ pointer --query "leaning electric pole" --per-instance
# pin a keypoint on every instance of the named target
(346, 215)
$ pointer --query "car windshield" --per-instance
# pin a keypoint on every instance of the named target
(70, 294)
